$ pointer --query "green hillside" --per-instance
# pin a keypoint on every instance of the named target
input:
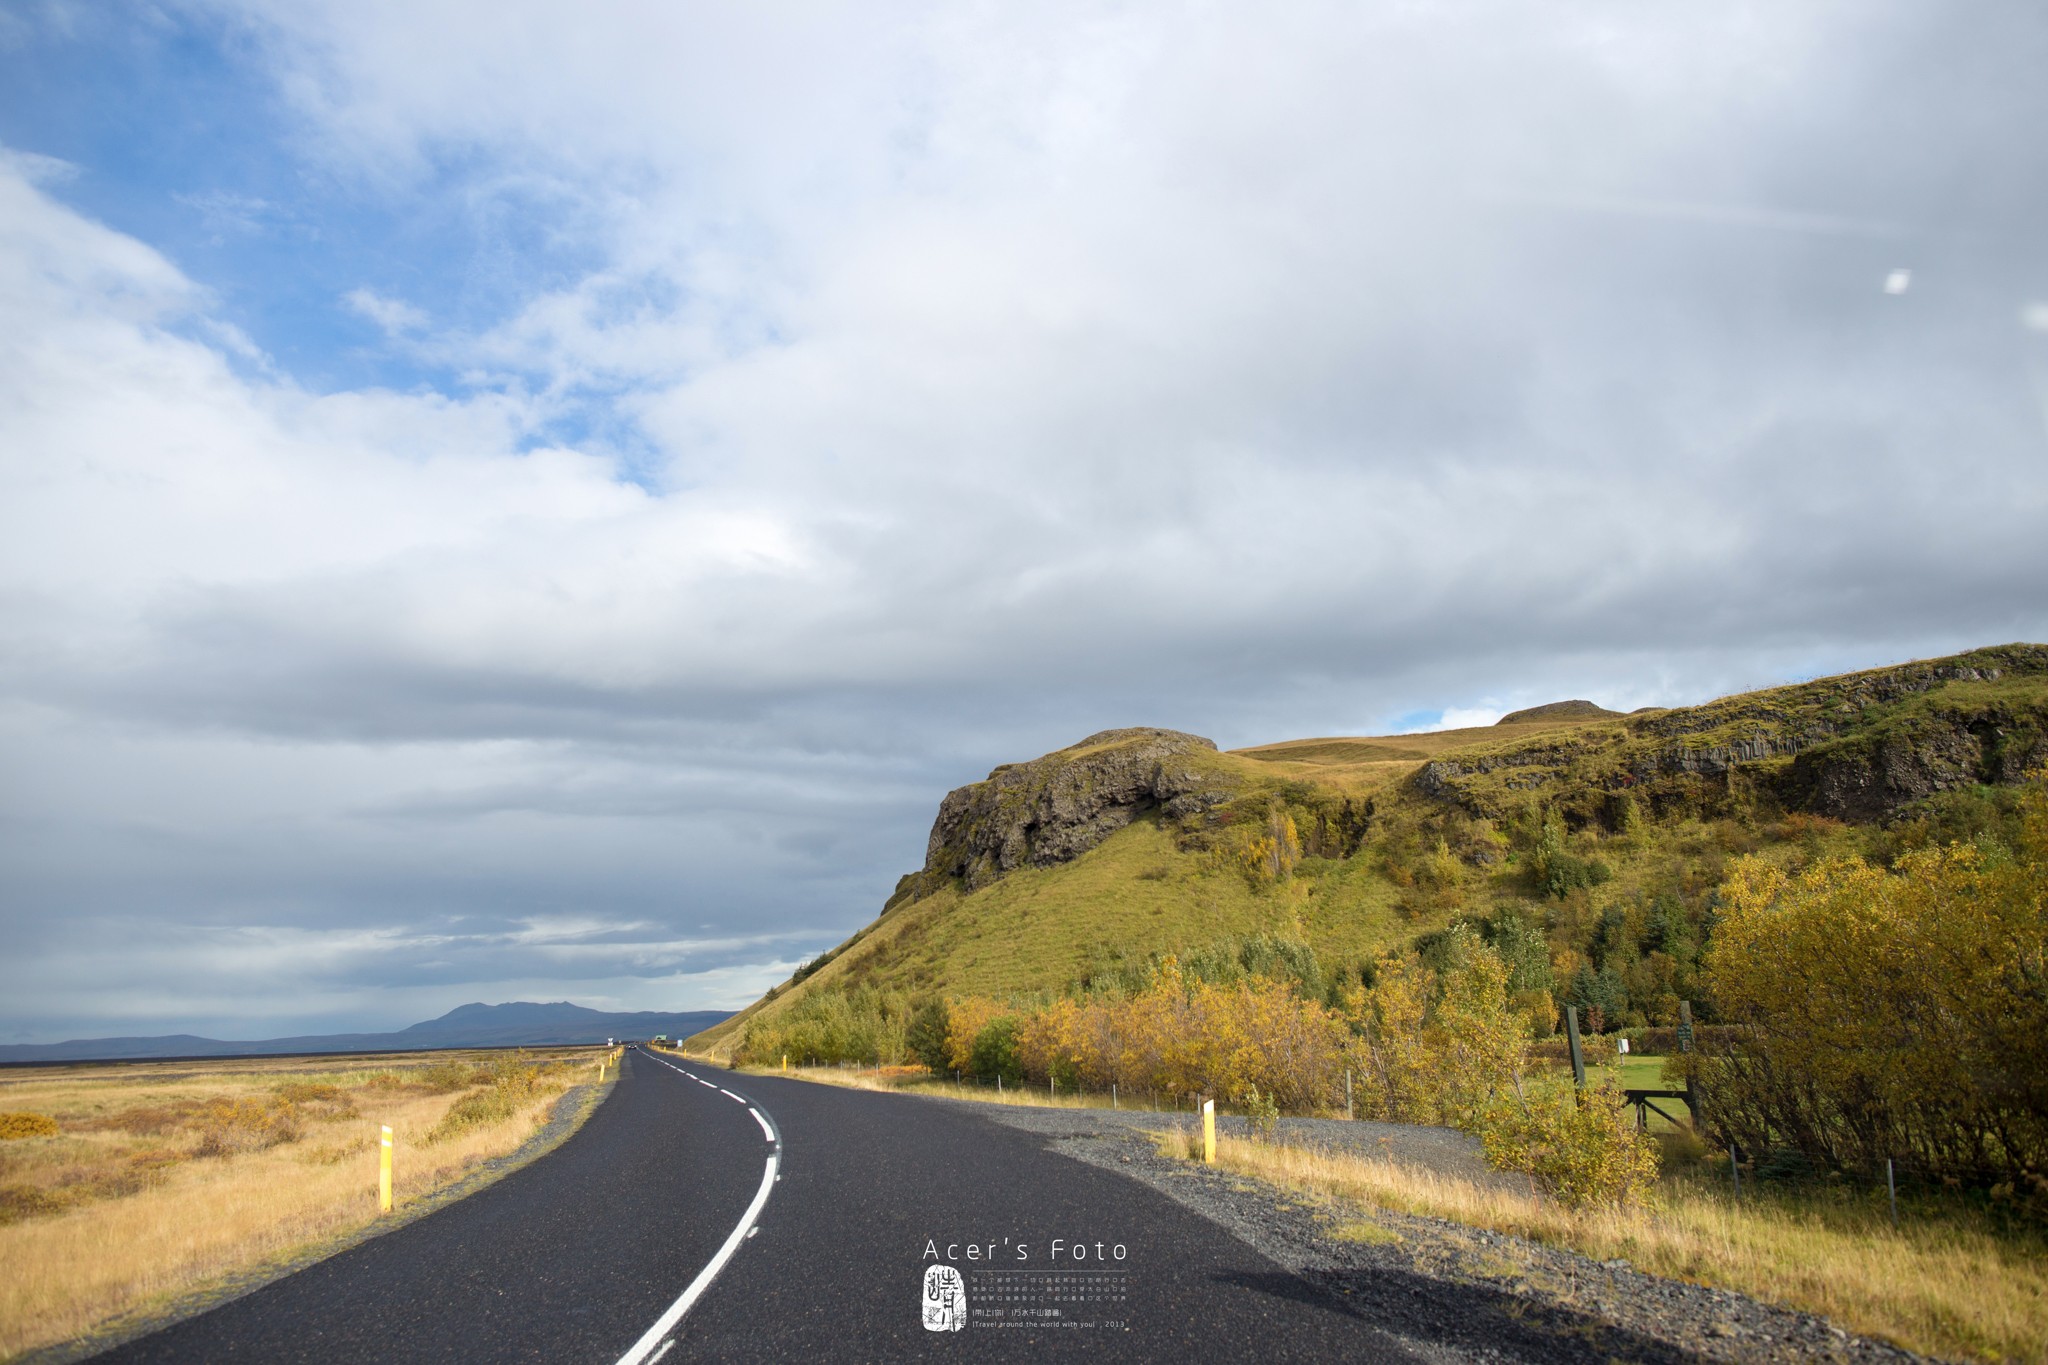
(1586, 844)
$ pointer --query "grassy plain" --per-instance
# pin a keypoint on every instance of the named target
(1948, 1281)
(166, 1177)
(1362, 765)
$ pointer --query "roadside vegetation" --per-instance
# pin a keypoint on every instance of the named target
(125, 1186)
(1953, 1279)
(1879, 999)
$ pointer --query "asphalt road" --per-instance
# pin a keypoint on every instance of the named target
(585, 1254)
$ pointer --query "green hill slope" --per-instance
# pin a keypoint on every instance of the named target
(1589, 841)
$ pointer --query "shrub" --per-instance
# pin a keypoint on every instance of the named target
(1899, 1014)
(1438, 1045)
(864, 1024)
(478, 1110)
(144, 1120)
(965, 1019)
(17, 1124)
(1261, 1114)
(511, 1083)
(444, 1076)
(995, 1052)
(1267, 854)
(228, 1127)
(311, 1092)
(321, 1100)
(926, 1036)
(1223, 962)
(27, 1201)
(1557, 873)
(1581, 1149)
(1392, 1051)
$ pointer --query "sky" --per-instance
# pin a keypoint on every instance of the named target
(521, 501)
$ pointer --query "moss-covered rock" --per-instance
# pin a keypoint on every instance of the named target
(1054, 809)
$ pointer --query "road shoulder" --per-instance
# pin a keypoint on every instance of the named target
(1444, 1285)
(571, 1110)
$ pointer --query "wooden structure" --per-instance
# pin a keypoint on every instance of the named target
(1644, 1100)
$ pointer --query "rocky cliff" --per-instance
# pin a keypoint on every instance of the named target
(1056, 808)
(1857, 747)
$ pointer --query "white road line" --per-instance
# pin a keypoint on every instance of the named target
(640, 1354)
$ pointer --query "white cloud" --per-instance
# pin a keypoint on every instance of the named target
(1465, 718)
(395, 316)
(985, 376)
(37, 168)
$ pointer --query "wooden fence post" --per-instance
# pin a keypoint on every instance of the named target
(1571, 1033)
(1692, 1095)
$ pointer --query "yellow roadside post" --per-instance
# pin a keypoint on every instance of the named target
(384, 1172)
(785, 1063)
(1209, 1130)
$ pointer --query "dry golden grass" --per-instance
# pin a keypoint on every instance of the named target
(915, 1080)
(165, 1177)
(1946, 1282)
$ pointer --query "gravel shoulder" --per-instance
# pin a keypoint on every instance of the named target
(1453, 1292)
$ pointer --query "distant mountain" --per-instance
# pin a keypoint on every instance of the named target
(518, 1024)
(1559, 710)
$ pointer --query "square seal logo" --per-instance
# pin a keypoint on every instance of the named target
(944, 1300)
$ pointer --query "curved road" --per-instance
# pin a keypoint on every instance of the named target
(820, 1210)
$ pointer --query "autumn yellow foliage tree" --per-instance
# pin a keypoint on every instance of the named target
(1180, 1037)
(1449, 1046)
(1268, 854)
(1580, 1147)
(1438, 1046)
(1899, 1013)
(1392, 1052)
(965, 1020)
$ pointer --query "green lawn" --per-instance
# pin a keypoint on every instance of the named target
(1644, 1073)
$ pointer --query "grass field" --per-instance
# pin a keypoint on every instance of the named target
(163, 1177)
(1040, 928)
(1948, 1281)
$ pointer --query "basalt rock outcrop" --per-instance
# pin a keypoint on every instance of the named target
(1869, 777)
(1056, 808)
(1858, 747)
